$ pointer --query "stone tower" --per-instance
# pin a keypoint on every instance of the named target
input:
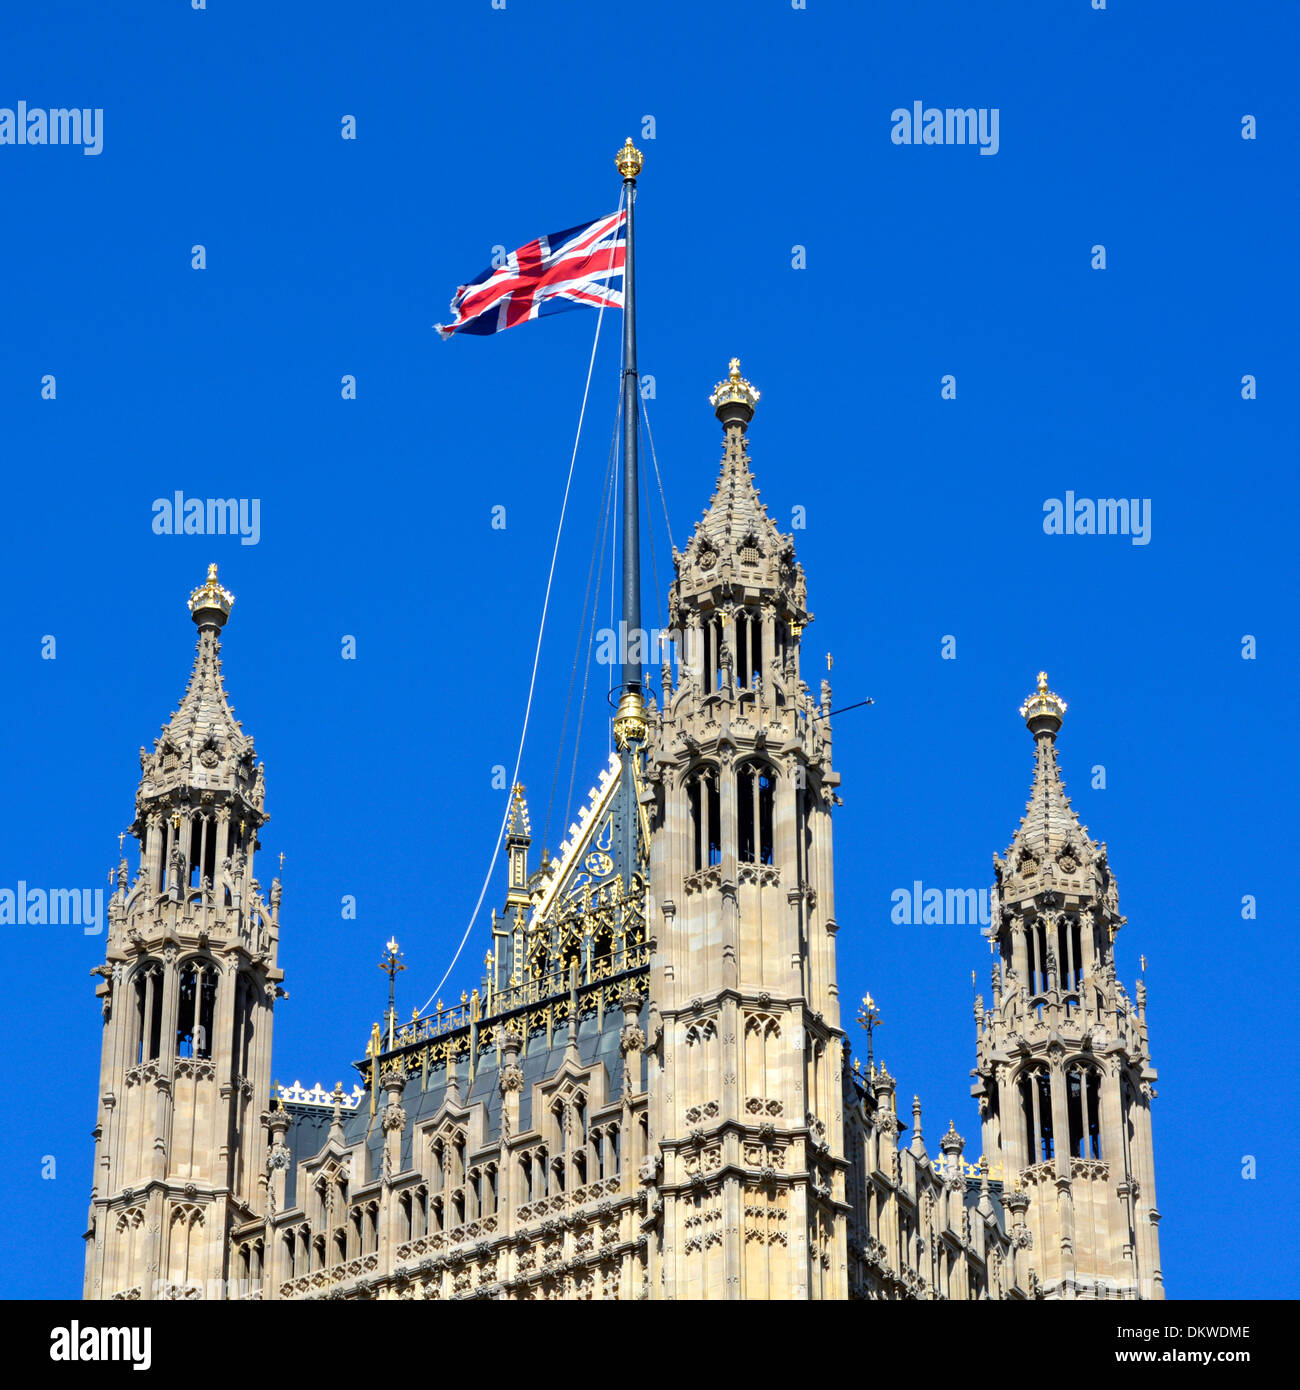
(188, 986)
(746, 1063)
(1064, 1073)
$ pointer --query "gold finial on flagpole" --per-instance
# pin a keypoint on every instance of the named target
(629, 160)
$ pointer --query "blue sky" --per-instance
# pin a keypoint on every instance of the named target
(924, 516)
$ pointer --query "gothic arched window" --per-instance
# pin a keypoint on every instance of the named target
(357, 1239)
(1036, 1109)
(749, 646)
(706, 816)
(1083, 1091)
(196, 1009)
(321, 1189)
(201, 860)
(1037, 941)
(526, 1168)
(246, 993)
(438, 1176)
(711, 653)
(1069, 954)
(755, 789)
(148, 1011)
(762, 1054)
(475, 1191)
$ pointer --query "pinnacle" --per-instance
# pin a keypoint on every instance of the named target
(203, 723)
(1050, 821)
(735, 511)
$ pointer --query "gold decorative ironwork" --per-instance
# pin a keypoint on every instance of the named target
(942, 1166)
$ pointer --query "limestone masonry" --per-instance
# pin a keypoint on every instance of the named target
(649, 1094)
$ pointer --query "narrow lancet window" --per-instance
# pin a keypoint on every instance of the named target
(755, 788)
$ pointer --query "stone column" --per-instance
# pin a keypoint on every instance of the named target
(1017, 1204)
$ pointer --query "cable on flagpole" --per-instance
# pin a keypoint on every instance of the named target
(541, 629)
(610, 517)
(654, 559)
(596, 577)
(613, 618)
(645, 415)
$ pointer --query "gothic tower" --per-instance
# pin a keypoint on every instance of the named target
(746, 1069)
(188, 986)
(1064, 1072)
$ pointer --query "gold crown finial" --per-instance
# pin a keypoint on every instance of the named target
(733, 400)
(210, 603)
(629, 160)
(629, 719)
(1044, 710)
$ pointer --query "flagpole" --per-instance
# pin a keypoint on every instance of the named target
(629, 722)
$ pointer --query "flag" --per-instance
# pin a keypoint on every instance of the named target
(577, 268)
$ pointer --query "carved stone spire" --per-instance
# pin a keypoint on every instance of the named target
(202, 747)
(1050, 847)
(740, 787)
(192, 956)
(1063, 1071)
(518, 829)
(736, 541)
(519, 837)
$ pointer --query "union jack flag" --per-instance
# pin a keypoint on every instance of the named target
(580, 267)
